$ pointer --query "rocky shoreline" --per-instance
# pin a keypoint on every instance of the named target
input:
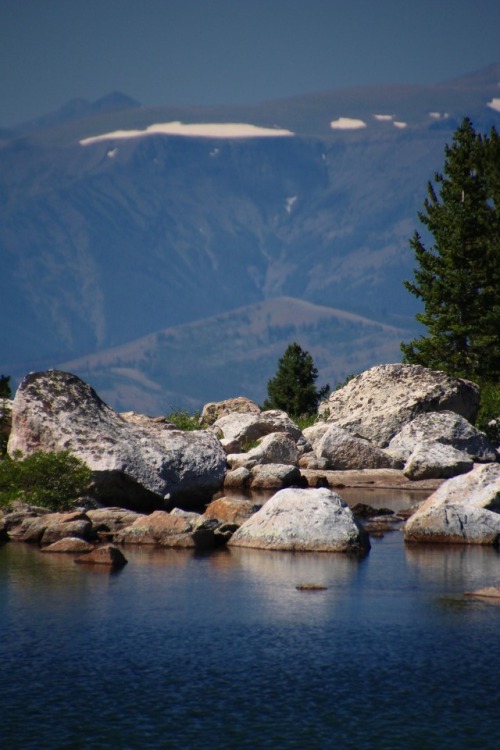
(394, 427)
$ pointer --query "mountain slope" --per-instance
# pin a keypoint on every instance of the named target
(106, 241)
(236, 353)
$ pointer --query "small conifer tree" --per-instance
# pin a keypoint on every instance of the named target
(293, 387)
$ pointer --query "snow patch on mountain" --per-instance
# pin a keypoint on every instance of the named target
(196, 130)
(347, 123)
(495, 104)
(384, 118)
(399, 124)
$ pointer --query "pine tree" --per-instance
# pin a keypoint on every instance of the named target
(5, 393)
(293, 387)
(458, 277)
(5, 390)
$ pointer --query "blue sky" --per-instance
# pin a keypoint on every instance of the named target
(231, 51)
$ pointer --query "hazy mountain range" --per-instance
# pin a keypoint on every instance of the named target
(172, 266)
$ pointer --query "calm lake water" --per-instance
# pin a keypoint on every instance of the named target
(222, 651)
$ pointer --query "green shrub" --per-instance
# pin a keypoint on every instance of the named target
(51, 480)
(307, 420)
(182, 419)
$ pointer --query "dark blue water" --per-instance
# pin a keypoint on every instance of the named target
(180, 651)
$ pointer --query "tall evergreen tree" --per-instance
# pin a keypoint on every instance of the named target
(293, 387)
(5, 390)
(458, 277)
(5, 393)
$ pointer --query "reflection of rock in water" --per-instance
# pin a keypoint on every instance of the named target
(468, 566)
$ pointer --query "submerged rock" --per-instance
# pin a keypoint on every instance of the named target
(108, 555)
(489, 592)
(303, 520)
(69, 545)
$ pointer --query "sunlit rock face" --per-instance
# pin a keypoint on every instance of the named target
(463, 510)
(134, 466)
(377, 403)
(303, 520)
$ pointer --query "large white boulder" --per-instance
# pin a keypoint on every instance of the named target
(377, 403)
(134, 466)
(303, 520)
(464, 509)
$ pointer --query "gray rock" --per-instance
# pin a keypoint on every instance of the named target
(20, 513)
(447, 428)
(431, 460)
(275, 448)
(377, 403)
(237, 461)
(52, 527)
(245, 428)
(111, 520)
(134, 466)
(303, 520)
(464, 509)
(314, 433)
(240, 477)
(241, 405)
(275, 476)
(342, 450)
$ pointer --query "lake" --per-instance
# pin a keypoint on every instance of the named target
(179, 650)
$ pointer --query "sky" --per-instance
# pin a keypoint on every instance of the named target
(231, 51)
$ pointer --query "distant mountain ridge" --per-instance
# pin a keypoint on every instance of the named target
(167, 238)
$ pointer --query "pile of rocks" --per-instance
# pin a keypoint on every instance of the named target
(294, 519)
(391, 417)
(403, 423)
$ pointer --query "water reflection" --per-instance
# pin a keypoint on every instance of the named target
(454, 568)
